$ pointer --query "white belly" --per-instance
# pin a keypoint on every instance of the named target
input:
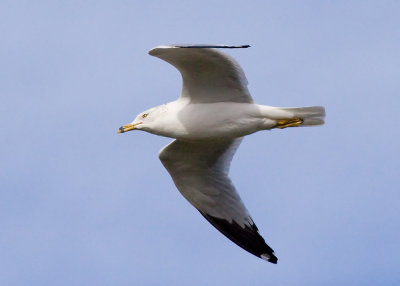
(211, 121)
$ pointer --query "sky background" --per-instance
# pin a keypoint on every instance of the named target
(81, 205)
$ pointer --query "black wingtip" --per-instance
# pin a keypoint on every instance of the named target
(204, 46)
(246, 237)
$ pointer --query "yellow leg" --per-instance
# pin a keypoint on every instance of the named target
(288, 122)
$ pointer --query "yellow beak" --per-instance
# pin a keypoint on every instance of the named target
(127, 127)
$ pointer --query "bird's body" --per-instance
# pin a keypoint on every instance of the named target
(208, 121)
(180, 119)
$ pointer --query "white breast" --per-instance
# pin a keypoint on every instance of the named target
(183, 120)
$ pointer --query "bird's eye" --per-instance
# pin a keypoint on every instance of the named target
(144, 115)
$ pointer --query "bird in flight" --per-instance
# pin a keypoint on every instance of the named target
(208, 122)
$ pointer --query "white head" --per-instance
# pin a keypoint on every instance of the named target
(144, 120)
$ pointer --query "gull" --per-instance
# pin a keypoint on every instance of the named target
(208, 121)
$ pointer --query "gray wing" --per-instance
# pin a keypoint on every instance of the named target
(200, 172)
(208, 74)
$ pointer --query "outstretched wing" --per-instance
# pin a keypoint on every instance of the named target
(200, 172)
(208, 74)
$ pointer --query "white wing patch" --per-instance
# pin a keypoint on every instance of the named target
(199, 170)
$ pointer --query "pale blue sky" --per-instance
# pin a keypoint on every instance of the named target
(81, 205)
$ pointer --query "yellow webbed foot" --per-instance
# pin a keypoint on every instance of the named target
(288, 122)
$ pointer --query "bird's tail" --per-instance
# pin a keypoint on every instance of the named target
(310, 115)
